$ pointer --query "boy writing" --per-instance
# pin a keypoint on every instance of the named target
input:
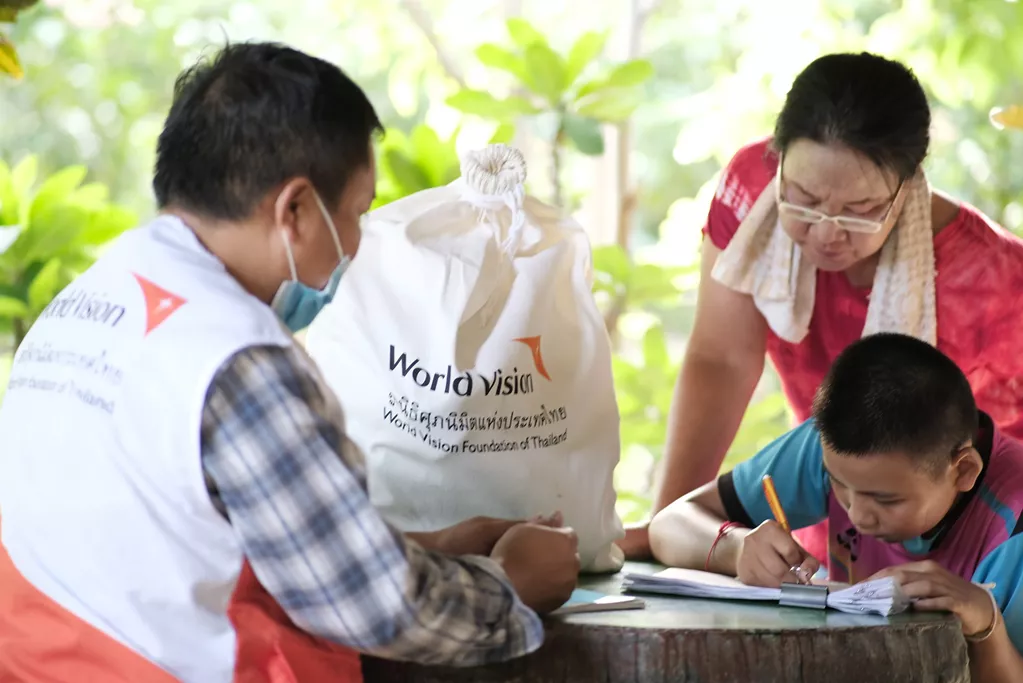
(915, 482)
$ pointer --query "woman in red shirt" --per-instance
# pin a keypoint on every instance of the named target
(853, 130)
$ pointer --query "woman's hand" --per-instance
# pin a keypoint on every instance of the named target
(935, 589)
(636, 544)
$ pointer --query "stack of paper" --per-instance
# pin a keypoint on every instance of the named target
(592, 601)
(881, 596)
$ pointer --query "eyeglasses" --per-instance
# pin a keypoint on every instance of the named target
(809, 216)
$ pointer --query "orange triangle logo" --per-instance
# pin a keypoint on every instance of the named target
(534, 345)
(159, 303)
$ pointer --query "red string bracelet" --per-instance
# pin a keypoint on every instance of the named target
(724, 529)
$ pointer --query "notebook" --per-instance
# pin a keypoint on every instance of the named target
(880, 596)
(582, 601)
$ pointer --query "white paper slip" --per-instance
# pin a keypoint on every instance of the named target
(881, 596)
(582, 601)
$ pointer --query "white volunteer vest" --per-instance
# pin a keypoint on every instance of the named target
(102, 493)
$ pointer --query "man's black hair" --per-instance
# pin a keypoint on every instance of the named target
(253, 117)
(889, 393)
(865, 102)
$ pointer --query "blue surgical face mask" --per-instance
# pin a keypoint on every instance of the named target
(297, 304)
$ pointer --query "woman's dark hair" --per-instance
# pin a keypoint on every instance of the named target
(253, 117)
(865, 102)
(890, 393)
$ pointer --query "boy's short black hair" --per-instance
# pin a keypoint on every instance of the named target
(253, 117)
(890, 393)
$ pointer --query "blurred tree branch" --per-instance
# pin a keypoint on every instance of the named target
(640, 12)
(421, 18)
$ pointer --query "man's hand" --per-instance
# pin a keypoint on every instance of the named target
(475, 536)
(935, 589)
(542, 563)
(767, 555)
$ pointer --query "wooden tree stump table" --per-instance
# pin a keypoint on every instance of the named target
(679, 640)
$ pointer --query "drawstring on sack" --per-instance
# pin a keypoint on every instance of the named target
(493, 178)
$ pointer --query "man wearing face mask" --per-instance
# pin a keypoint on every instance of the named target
(165, 435)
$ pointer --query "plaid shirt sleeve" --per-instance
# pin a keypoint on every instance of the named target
(278, 464)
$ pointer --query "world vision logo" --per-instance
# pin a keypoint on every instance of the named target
(159, 303)
(501, 382)
(534, 345)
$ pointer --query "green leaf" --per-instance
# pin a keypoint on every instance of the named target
(482, 103)
(55, 190)
(609, 104)
(612, 260)
(584, 51)
(405, 172)
(652, 283)
(12, 308)
(394, 138)
(546, 70)
(655, 349)
(523, 33)
(430, 154)
(9, 63)
(643, 431)
(476, 102)
(503, 134)
(584, 133)
(44, 286)
(497, 57)
(13, 290)
(102, 226)
(630, 74)
(24, 175)
(590, 86)
(7, 198)
(93, 195)
(58, 228)
(49, 229)
(9, 209)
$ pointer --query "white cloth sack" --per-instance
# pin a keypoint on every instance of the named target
(472, 363)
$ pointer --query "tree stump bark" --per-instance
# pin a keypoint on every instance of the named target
(704, 641)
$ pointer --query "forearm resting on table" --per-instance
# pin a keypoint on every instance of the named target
(428, 540)
(459, 612)
(996, 660)
(710, 398)
(682, 534)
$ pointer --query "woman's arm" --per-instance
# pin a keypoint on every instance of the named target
(723, 363)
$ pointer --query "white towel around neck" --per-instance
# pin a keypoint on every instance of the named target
(761, 260)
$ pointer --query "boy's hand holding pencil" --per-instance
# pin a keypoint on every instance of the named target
(769, 555)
